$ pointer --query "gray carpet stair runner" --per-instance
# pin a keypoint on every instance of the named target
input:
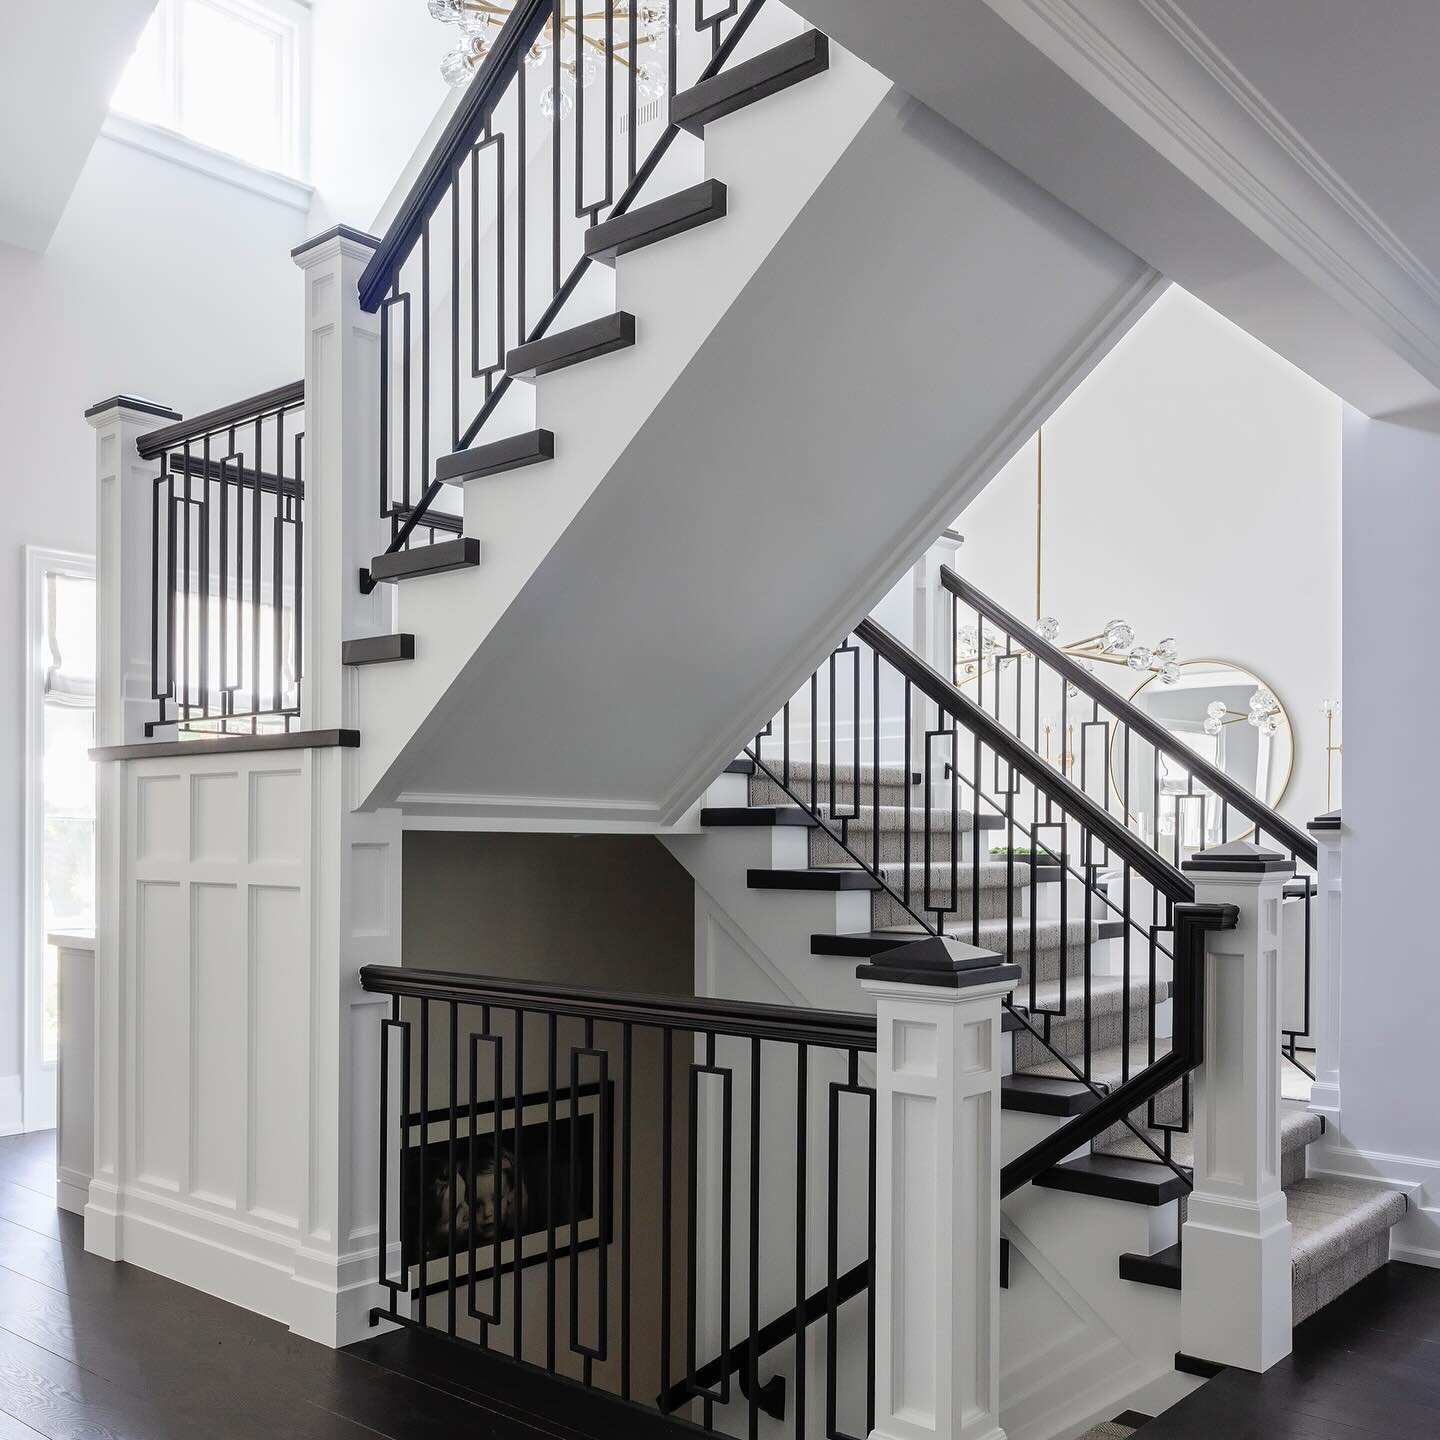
(1110, 1430)
(1341, 1226)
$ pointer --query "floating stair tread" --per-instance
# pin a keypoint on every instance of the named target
(1332, 1215)
(819, 877)
(892, 817)
(660, 220)
(864, 944)
(513, 452)
(377, 649)
(741, 815)
(1114, 1178)
(740, 767)
(1041, 1095)
(1298, 1128)
(1162, 1268)
(741, 85)
(570, 347)
(427, 559)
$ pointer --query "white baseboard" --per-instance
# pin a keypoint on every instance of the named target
(1416, 1239)
(258, 1268)
(12, 1105)
(72, 1190)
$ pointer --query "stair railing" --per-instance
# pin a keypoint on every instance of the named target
(228, 575)
(1091, 1006)
(1037, 691)
(615, 1187)
(489, 245)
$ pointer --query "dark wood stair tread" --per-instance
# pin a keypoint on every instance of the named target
(1112, 1177)
(1161, 1268)
(1046, 1095)
(570, 347)
(670, 215)
(813, 878)
(745, 815)
(741, 85)
(512, 452)
(427, 559)
(377, 649)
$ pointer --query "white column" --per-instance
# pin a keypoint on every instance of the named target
(75, 1085)
(124, 556)
(937, 1147)
(355, 856)
(1235, 1296)
(1326, 971)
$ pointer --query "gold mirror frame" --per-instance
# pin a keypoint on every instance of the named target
(1153, 678)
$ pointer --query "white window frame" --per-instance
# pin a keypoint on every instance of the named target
(290, 21)
(38, 1075)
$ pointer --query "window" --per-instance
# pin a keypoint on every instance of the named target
(226, 74)
(60, 810)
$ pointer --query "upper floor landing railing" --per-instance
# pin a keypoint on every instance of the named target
(227, 568)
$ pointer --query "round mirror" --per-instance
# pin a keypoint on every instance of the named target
(1228, 716)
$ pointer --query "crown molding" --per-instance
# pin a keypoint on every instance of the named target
(1150, 65)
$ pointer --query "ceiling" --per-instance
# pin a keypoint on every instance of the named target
(1275, 159)
(58, 67)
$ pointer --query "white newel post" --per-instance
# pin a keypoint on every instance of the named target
(1236, 1267)
(124, 498)
(937, 1155)
(1327, 969)
(355, 857)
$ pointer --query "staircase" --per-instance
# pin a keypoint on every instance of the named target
(824, 855)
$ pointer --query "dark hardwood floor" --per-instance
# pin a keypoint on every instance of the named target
(1368, 1365)
(94, 1351)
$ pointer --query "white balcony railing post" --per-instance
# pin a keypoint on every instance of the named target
(1236, 1268)
(937, 1155)
(1326, 972)
(355, 876)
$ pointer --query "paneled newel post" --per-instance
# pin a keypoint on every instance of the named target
(937, 1221)
(355, 883)
(1326, 973)
(124, 496)
(1235, 1292)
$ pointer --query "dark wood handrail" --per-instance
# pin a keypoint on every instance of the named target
(836, 1029)
(270, 402)
(1266, 820)
(1146, 862)
(496, 71)
(1187, 1051)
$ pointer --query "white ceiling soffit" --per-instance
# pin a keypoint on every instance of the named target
(58, 67)
(1289, 179)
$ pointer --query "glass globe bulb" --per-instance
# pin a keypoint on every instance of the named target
(1212, 725)
(1118, 635)
(1216, 709)
(475, 23)
(649, 82)
(1167, 649)
(535, 55)
(1330, 708)
(1047, 627)
(1270, 725)
(447, 12)
(549, 105)
(1139, 658)
(458, 66)
(1169, 673)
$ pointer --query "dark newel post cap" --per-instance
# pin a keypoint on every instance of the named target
(1240, 857)
(335, 232)
(1330, 820)
(135, 403)
(938, 960)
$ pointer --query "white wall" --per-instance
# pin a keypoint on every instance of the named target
(160, 282)
(1192, 486)
(376, 86)
(1392, 984)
